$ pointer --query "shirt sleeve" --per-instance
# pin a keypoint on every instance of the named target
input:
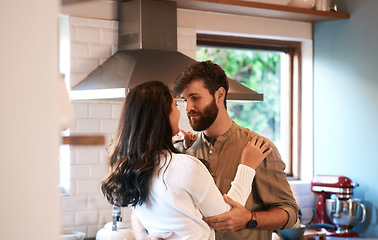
(206, 195)
(272, 187)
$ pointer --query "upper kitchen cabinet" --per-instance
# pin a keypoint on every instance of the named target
(249, 8)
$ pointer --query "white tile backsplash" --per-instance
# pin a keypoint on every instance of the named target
(79, 172)
(92, 42)
(101, 24)
(97, 50)
(96, 202)
(86, 209)
(104, 153)
(86, 64)
(74, 203)
(92, 230)
(108, 36)
(305, 198)
(73, 67)
(116, 111)
(108, 126)
(79, 49)
(76, 77)
(80, 110)
(100, 111)
(88, 187)
(89, 217)
(68, 219)
(87, 126)
(88, 34)
(87, 156)
(78, 21)
(104, 216)
(97, 171)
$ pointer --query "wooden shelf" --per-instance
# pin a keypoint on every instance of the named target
(248, 8)
(261, 10)
(81, 140)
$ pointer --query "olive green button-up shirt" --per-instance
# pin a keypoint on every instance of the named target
(270, 187)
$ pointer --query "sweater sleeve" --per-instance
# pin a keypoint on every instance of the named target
(241, 187)
(206, 195)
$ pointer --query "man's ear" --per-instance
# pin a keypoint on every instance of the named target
(220, 95)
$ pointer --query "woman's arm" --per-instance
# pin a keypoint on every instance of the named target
(253, 154)
(207, 196)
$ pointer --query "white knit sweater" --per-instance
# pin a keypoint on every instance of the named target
(183, 192)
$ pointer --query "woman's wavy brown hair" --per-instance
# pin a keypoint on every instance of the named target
(144, 133)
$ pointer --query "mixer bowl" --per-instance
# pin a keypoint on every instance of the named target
(345, 214)
(292, 233)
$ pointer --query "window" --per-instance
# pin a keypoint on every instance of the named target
(270, 67)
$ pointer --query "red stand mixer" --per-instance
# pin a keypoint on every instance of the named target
(335, 205)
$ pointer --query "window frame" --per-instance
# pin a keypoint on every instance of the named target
(293, 50)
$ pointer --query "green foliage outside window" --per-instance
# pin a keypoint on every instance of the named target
(260, 71)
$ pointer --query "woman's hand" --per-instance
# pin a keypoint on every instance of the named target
(140, 233)
(255, 151)
(187, 138)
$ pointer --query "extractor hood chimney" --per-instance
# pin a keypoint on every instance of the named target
(147, 50)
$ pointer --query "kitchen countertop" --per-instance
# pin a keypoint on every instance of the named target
(276, 237)
(328, 238)
(350, 238)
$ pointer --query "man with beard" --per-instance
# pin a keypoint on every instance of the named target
(220, 141)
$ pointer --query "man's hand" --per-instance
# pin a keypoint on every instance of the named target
(231, 221)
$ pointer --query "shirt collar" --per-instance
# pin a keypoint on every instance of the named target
(223, 137)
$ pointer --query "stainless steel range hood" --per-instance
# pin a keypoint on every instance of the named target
(147, 50)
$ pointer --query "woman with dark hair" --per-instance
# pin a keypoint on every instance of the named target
(170, 192)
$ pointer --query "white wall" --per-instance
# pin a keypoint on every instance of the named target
(29, 120)
(346, 102)
(85, 209)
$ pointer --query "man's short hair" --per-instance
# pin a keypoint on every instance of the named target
(212, 74)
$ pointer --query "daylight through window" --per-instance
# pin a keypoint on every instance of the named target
(266, 67)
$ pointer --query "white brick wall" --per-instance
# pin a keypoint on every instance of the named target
(187, 41)
(85, 209)
(92, 42)
(305, 199)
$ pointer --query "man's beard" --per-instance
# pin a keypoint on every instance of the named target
(205, 118)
